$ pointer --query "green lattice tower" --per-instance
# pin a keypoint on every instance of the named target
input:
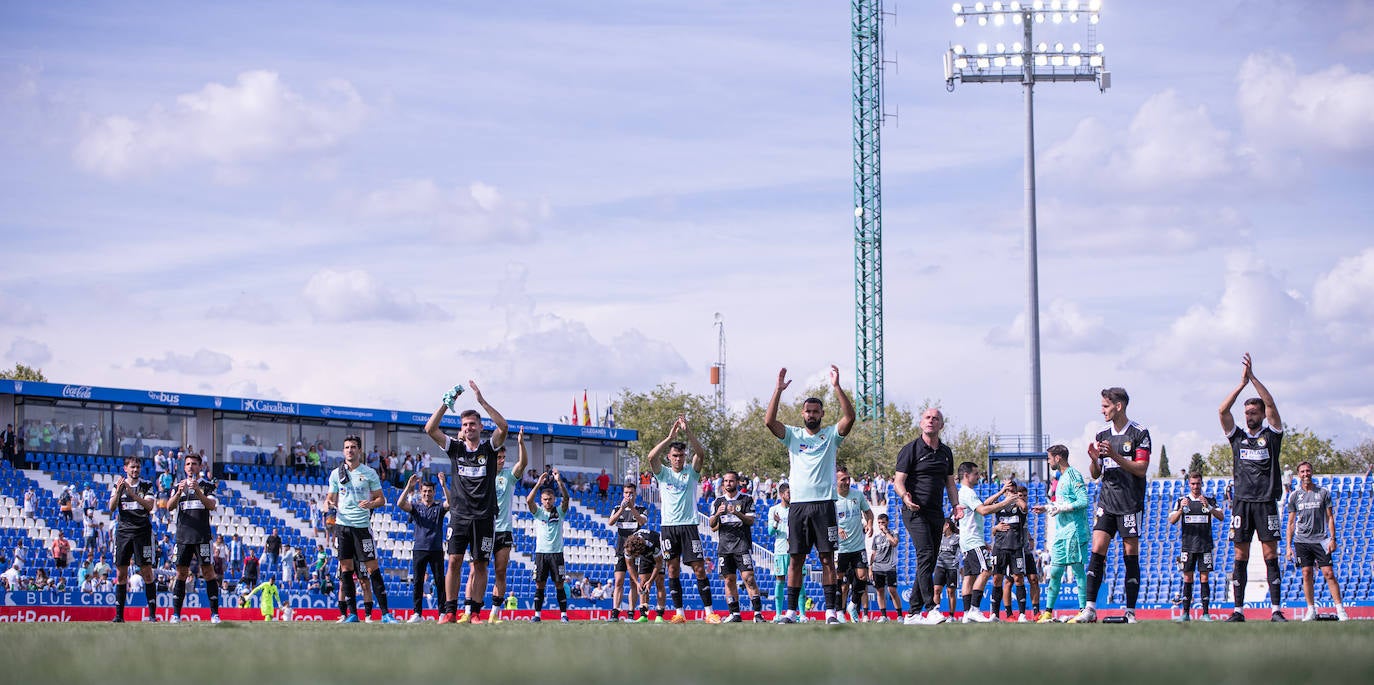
(868, 203)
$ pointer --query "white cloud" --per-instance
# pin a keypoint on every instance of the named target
(343, 296)
(1064, 327)
(1331, 109)
(1170, 229)
(477, 210)
(203, 363)
(1347, 290)
(31, 352)
(256, 118)
(1169, 144)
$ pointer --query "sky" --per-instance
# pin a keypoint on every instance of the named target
(362, 204)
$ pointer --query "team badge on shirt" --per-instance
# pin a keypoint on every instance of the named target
(1126, 447)
(1260, 442)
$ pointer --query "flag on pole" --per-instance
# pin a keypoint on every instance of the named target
(586, 411)
(575, 422)
(610, 415)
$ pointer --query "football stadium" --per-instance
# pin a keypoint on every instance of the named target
(246, 245)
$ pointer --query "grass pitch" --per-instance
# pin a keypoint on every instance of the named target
(260, 653)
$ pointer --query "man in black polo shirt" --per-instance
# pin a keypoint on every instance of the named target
(925, 474)
(427, 554)
(472, 507)
(1258, 480)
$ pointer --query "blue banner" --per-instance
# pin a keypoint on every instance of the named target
(282, 408)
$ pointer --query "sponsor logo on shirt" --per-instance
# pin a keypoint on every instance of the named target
(1248, 454)
(470, 471)
(1195, 518)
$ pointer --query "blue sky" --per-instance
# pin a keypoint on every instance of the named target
(363, 204)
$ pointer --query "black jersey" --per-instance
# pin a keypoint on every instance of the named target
(1197, 524)
(193, 519)
(927, 473)
(627, 523)
(1014, 538)
(133, 518)
(949, 552)
(474, 481)
(734, 531)
(1255, 464)
(653, 543)
(1121, 492)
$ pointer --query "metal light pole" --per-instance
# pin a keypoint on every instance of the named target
(1027, 63)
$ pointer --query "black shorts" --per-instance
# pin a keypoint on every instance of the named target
(730, 564)
(478, 535)
(355, 544)
(502, 539)
(977, 562)
(882, 579)
(135, 547)
(1009, 563)
(1200, 562)
(1249, 518)
(1125, 525)
(681, 542)
(194, 550)
(945, 575)
(1032, 564)
(1311, 554)
(847, 560)
(548, 566)
(811, 524)
(645, 565)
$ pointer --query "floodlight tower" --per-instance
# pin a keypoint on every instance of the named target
(866, 86)
(718, 368)
(1028, 63)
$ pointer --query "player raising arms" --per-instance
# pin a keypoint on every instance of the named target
(356, 491)
(1196, 512)
(811, 517)
(1258, 484)
(548, 541)
(506, 478)
(472, 508)
(732, 517)
(1120, 457)
(193, 499)
(132, 499)
(677, 486)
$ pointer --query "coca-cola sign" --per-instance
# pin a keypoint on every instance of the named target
(81, 392)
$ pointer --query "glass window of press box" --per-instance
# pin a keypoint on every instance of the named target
(101, 428)
(251, 439)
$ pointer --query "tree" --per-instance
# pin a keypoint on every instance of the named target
(1198, 465)
(1163, 462)
(23, 372)
(653, 414)
(1360, 457)
(1299, 445)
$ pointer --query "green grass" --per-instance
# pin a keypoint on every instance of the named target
(257, 654)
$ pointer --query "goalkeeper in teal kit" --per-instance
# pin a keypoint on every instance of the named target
(1071, 530)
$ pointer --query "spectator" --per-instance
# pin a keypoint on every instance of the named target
(250, 568)
(30, 499)
(236, 554)
(279, 459)
(271, 553)
(135, 583)
(219, 555)
(64, 501)
(89, 539)
(11, 577)
(312, 457)
(299, 456)
(61, 548)
(603, 485)
(101, 568)
(88, 498)
(160, 461)
(529, 479)
(83, 573)
(288, 564)
(7, 443)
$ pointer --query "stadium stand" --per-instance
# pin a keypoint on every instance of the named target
(257, 499)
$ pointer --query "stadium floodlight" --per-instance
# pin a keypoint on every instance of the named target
(1027, 63)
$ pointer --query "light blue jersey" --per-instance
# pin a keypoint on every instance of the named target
(777, 525)
(548, 531)
(812, 459)
(849, 511)
(505, 487)
(678, 490)
(362, 481)
(971, 526)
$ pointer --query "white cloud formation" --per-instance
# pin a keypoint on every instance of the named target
(1064, 327)
(477, 210)
(31, 352)
(1157, 228)
(1347, 291)
(255, 118)
(1169, 144)
(203, 363)
(1330, 110)
(343, 296)
(246, 307)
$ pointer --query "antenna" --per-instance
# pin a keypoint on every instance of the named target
(718, 368)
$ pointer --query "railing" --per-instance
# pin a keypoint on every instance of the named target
(1017, 444)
